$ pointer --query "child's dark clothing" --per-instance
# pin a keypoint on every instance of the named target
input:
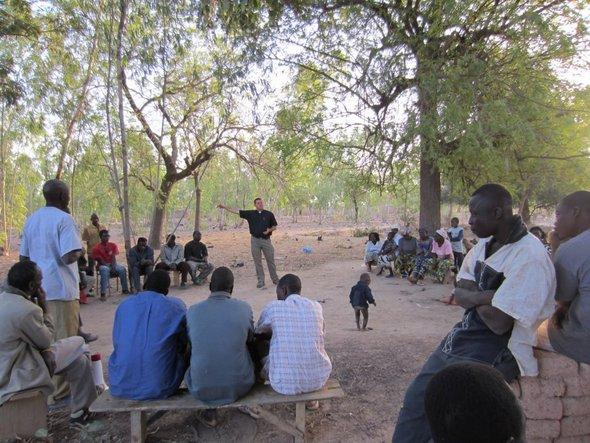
(361, 296)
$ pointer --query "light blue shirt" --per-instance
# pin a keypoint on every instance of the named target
(221, 369)
(149, 337)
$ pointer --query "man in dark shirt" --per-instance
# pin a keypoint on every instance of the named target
(262, 223)
(197, 257)
(141, 262)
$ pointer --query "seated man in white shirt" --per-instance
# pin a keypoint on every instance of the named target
(296, 362)
(505, 284)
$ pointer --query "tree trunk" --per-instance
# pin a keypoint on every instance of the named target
(124, 150)
(430, 193)
(155, 239)
(356, 209)
(197, 203)
(525, 210)
(3, 162)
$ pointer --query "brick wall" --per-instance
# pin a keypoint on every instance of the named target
(557, 402)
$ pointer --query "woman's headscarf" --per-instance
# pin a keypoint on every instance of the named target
(443, 234)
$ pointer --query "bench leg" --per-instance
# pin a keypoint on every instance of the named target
(300, 420)
(138, 426)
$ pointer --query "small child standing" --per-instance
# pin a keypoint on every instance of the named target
(360, 297)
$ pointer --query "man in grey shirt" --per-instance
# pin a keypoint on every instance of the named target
(219, 328)
(569, 327)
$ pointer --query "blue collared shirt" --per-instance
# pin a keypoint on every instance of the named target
(149, 337)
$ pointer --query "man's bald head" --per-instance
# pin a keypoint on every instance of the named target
(56, 193)
(572, 215)
(222, 279)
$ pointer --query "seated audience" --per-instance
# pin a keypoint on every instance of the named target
(436, 263)
(424, 242)
(396, 235)
(28, 355)
(105, 254)
(568, 330)
(538, 232)
(219, 329)
(197, 257)
(387, 254)
(506, 286)
(141, 262)
(150, 362)
(297, 361)
(372, 248)
(470, 402)
(172, 259)
(456, 236)
(408, 247)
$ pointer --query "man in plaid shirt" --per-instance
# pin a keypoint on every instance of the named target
(296, 362)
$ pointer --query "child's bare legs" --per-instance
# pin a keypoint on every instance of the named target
(357, 317)
(365, 312)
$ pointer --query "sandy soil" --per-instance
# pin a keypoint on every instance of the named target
(374, 367)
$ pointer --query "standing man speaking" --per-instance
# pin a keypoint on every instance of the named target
(262, 223)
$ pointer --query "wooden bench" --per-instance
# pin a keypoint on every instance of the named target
(23, 415)
(254, 400)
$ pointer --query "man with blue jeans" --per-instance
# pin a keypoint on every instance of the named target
(505, 285)
(105, 254)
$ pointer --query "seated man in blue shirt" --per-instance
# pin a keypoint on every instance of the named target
(150, 341)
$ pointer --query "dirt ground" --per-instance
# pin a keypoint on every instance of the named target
(374, 367)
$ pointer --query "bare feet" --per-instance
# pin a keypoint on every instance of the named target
(312, 405)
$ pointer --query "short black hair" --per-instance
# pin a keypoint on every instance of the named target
(170, 237)
(539, 230)
(222, 279)
(21, 274)
(53, 189)
(467, 402)
(495, 193)
(256, 199)
(578, 199)
(158, 281)
(291, 282)
(142, 239)
(374, 234)
(102, 232)
(196, 231)
(454, 219)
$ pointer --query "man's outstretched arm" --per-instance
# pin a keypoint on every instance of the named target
(232, 210)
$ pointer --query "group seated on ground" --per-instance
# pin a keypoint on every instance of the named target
(410, 258)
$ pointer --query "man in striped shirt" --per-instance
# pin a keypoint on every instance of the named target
(296, 362)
